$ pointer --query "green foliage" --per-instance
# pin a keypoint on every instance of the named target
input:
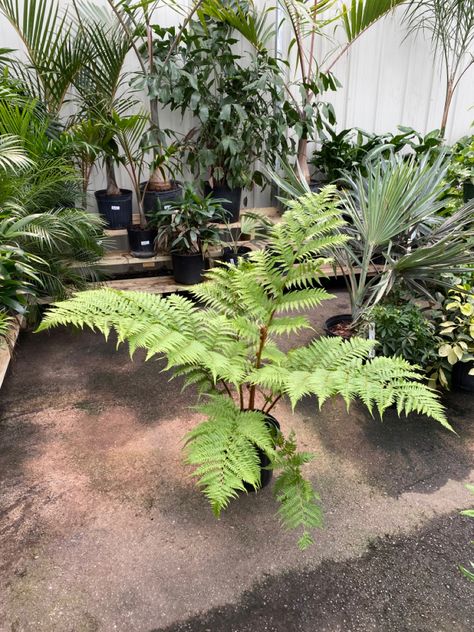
(54, 52)
(347, 152)
(396, 234)
(189, 225)
(233, 98)
(48, 246)
(299, 503)
(5, 323)
(224, 450)
(455, 326)
(450, 26)
(359, 15)
(460, 171)
(232, 345)
(403, 330)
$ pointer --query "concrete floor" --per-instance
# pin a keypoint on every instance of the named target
(102, 529)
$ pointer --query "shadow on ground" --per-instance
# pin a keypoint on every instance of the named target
(399, 584)
(398, 455)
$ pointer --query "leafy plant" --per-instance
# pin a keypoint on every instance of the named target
(233, 98)
(396, 235)
(100, 86)
(230, 349)
(348, 151)
(403, 330)
(54, 51)
(188, 225)
(252, 227)
(460, 171)
(455, 322)
(50, 245)
(450, 24)
(308, 115)
(135, 19)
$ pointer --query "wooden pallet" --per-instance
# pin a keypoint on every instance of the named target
(167, 284)
(6, 348)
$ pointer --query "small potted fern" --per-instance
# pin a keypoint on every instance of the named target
(229, 348)
(188, 228)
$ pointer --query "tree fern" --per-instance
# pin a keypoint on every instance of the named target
(231, 347)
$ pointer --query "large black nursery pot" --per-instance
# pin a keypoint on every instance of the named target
(265, 475)
(468, 191)
(142, 241)
(188, 268)
(233, 197)
(460, 378)
(230, 256)
(152, 200)
(334, 321)
(115, 209)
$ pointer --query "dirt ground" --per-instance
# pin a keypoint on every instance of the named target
(102, 529)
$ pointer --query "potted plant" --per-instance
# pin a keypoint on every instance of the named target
(99, 88)
(230, 348)
(252, 228)
(396, 235)
(187, 228)
(232, 98)
(131, 152)
(403, 329)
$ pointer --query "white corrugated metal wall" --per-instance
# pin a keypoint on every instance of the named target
(387, 80)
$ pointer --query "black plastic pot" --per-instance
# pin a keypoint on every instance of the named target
(468, 190)
(115, 209)
(188, 269)
(142, 241)
(230, 256)
(152, 198)
(336, 320)
(233, 197)
(265, 475)
(460, 378)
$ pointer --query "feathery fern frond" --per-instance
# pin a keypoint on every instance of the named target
(299, 506)
(224, 450)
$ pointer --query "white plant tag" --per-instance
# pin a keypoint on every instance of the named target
(145, 243)
(115, 208)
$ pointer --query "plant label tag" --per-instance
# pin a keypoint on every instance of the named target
(115, 208)
(144, 243)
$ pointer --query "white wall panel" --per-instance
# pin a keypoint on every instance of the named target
(387, 80)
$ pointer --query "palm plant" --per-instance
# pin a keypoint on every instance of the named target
(135, 19)
(12, 155)
(100, 85)
(230, 350)
(53, 47)
(58, 244)
(450, 24)
(393, 213)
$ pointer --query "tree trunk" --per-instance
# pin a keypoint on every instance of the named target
(157, 182)
(112, 187)
(447, 104)
(303, 158)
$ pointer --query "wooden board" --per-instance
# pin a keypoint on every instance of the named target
(6, 349)
(167, 284)
(153, 285)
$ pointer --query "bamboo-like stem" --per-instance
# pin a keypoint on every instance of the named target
(273, 404)
(263, 339)
(227, 389)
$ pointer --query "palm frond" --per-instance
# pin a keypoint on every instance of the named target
(12, 155)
